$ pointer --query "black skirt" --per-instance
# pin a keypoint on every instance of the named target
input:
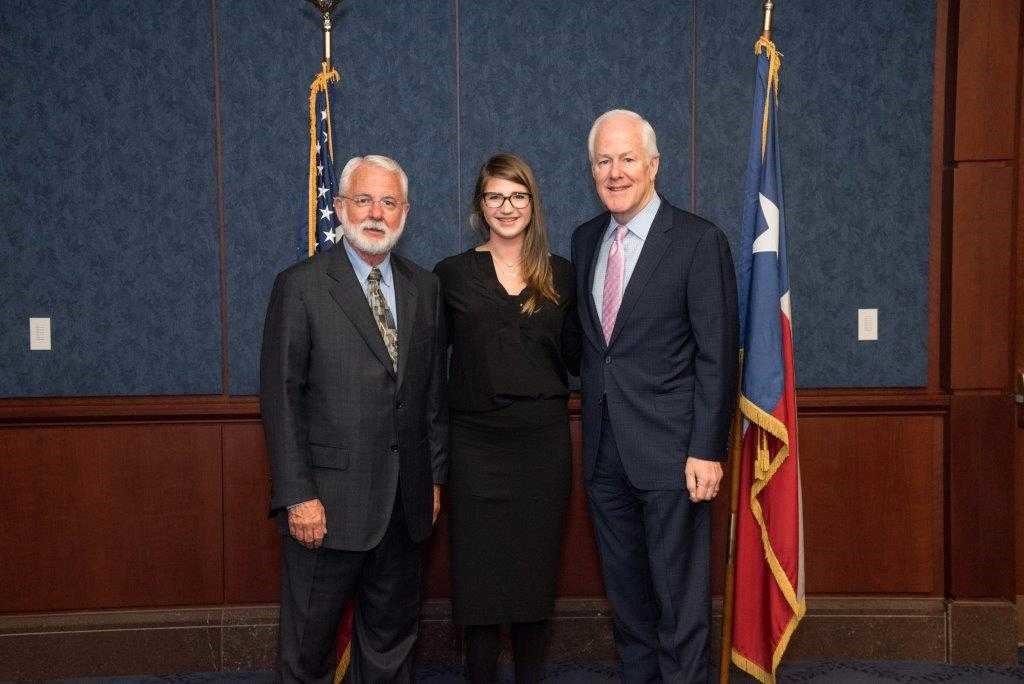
(509, 479)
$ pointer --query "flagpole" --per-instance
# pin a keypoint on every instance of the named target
(326, 7)
(725, 661)
(730, 563)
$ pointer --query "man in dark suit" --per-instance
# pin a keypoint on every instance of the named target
(657, 303)
(352, 395)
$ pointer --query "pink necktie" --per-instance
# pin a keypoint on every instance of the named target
(613, 277)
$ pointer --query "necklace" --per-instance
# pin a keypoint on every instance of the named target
(510, 266)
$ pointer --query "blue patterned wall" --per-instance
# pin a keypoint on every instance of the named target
(108, 184)
(107, 198)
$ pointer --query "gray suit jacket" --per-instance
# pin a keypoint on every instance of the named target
(668, 373)
(341, 425)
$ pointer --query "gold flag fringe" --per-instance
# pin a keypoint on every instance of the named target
(346, 660)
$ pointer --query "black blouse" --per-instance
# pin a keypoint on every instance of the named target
(499, 354)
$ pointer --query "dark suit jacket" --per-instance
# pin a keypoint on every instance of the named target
(668, 374)
(340, 424)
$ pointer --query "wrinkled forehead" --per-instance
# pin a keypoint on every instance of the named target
(375, 181)
(619, 135)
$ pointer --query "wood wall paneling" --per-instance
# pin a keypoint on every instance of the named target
(110, 517)
(437, 559)
(872, 487)
(981, 271)
(1018, 348)
(873, 503)
(981, 499)
(986, 95)
(252, 542)
(581, 567)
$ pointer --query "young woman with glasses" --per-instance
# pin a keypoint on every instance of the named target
(514, 338)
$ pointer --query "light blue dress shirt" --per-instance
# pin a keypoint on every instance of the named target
(387, 281)
(636, 235)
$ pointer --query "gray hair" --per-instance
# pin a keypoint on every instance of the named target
(378, 160)
(650, 140)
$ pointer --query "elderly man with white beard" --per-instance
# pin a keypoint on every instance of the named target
(352, 395)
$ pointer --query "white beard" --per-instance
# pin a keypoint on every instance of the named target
(354, 235)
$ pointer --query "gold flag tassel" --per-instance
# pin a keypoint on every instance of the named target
(774, 64)
(326, 75)
(763, 461)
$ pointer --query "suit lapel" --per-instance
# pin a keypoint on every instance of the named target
(651, 255)
(405, 300)
(348, 293)
(591, 247)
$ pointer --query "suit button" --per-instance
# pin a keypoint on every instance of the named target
(607, 360)
(400, 405)
(394, 448)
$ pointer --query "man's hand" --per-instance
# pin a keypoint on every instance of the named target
(307, 522)
(437, 503)
(702, 478)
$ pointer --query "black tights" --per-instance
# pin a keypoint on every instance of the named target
(483, 644)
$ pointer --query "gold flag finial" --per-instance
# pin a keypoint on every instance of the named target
(766, 28)
(326, 7)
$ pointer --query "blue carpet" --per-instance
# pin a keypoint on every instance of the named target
(852, 672)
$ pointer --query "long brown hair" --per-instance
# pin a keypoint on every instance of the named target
(536, 258)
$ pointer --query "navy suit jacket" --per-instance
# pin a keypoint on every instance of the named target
(341, 424)
(668, 373)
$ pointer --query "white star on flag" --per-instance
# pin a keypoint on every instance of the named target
(768, 241)
(326, 213)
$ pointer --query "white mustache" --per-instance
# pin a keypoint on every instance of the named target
(373, 224)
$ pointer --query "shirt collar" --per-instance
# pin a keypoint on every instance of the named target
(362, 268)
(641, 223)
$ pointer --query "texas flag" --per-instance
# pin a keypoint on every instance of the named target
(769, 562)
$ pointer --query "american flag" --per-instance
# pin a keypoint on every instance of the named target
(769, 561)
(322, 230)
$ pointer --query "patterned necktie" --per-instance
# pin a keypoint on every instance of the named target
(611, 297)
(382, 314)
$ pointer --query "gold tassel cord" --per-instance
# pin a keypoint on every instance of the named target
(319, 84)
(762, 462)
(774, 65)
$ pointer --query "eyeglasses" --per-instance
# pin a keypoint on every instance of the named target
(495, 200)
(388, 204)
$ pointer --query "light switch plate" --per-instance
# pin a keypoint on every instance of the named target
(867, 325)
(39, 334)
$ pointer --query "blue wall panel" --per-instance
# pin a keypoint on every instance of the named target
(856, 128)
(533, 76)
(396, 97)
(108, 186)
(107, 198)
